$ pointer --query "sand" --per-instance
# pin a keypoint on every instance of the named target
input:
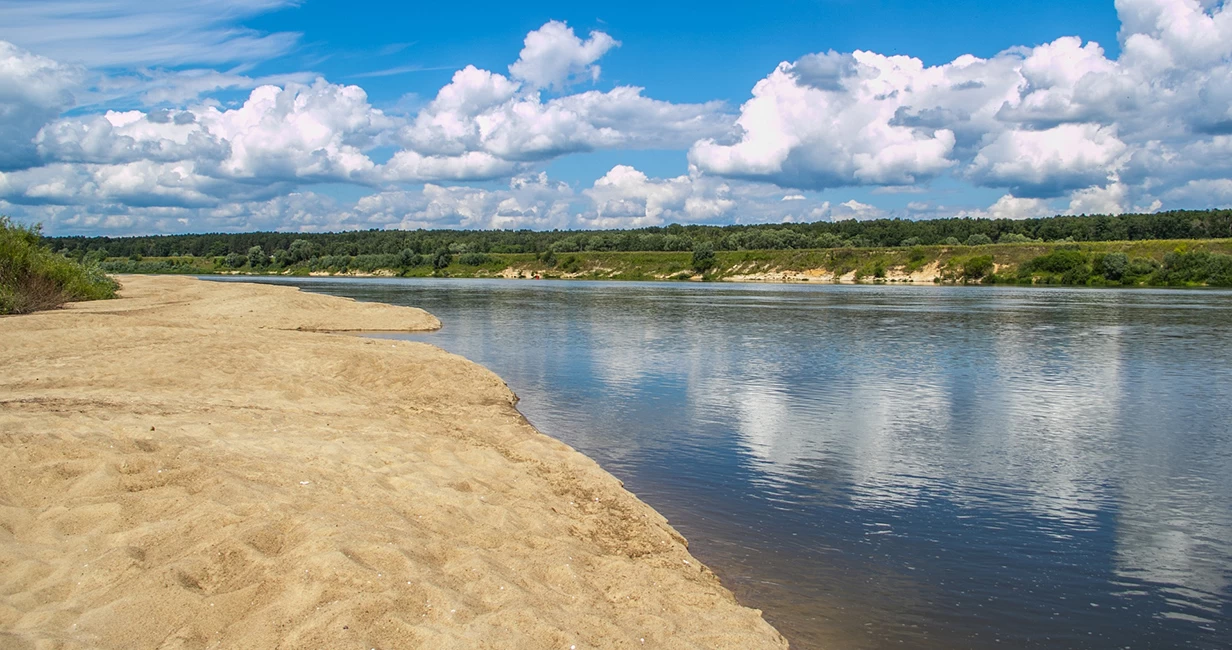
(204, 465)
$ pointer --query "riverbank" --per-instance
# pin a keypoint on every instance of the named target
(201, 465)
(1198, 262)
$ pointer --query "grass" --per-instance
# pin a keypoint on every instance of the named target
(33, 278)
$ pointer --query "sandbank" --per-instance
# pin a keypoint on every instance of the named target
(207, 465)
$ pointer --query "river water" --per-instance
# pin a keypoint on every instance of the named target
(884, 466)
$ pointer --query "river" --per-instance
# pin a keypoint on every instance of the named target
(895, 466)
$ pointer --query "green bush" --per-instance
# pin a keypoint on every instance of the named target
(1199, 267)
(570, 264)
(1061, 260)
(32, 277)
(1112, 266)
(979, 239)
(977, 267)
(703, 257)
(473, 259)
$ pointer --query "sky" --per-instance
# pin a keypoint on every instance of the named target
(125, 117)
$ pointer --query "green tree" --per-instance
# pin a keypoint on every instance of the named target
(703, 257)
(407, 259)
(1114, 265)
(299, 251)
(257, 257)
(979, 239)
(442, 259)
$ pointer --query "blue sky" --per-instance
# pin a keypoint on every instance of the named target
(681, 52)
(130, 117)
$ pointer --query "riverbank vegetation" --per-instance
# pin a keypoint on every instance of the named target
(1181, 248)
(32, 277)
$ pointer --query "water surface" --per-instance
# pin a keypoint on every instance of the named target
(880, 466)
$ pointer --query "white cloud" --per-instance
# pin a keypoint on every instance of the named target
(1050, 162)
(1011, 207)
(316, 132)
(1050, 121)
(554, 57)
(313, 133)
(626, 198)
(854, 209)
(33, 90)
(831, 122)
(488, 120)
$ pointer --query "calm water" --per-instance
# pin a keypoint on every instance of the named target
(876, 466)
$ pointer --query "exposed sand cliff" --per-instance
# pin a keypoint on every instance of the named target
(182, 468)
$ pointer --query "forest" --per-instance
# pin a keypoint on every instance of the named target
(883, 233)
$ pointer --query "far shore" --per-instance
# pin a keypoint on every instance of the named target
(207, 465)
(1138, 263)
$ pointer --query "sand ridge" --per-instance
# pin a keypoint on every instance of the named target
(196, 465)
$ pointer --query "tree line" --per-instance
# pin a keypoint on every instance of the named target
(434, 244)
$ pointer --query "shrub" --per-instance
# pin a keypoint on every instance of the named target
(32, 277)
(1199, 267)
(1142, 267)
(1112, 266)
(951, 241)
(979, 239)
(570, 264)
(1061, 260)
(703, 257)
(408, 259)
(977, 267)
(473, 259)
(1014, 238)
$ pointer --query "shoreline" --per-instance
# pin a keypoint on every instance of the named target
(199, 464)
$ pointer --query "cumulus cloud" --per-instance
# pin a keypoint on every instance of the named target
(307, 133)
(1060, 119)
(496, 123)
(625, 197)
(33, 91)
(554, 57)
(1050, 162)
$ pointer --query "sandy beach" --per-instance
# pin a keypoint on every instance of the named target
(211, 465)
